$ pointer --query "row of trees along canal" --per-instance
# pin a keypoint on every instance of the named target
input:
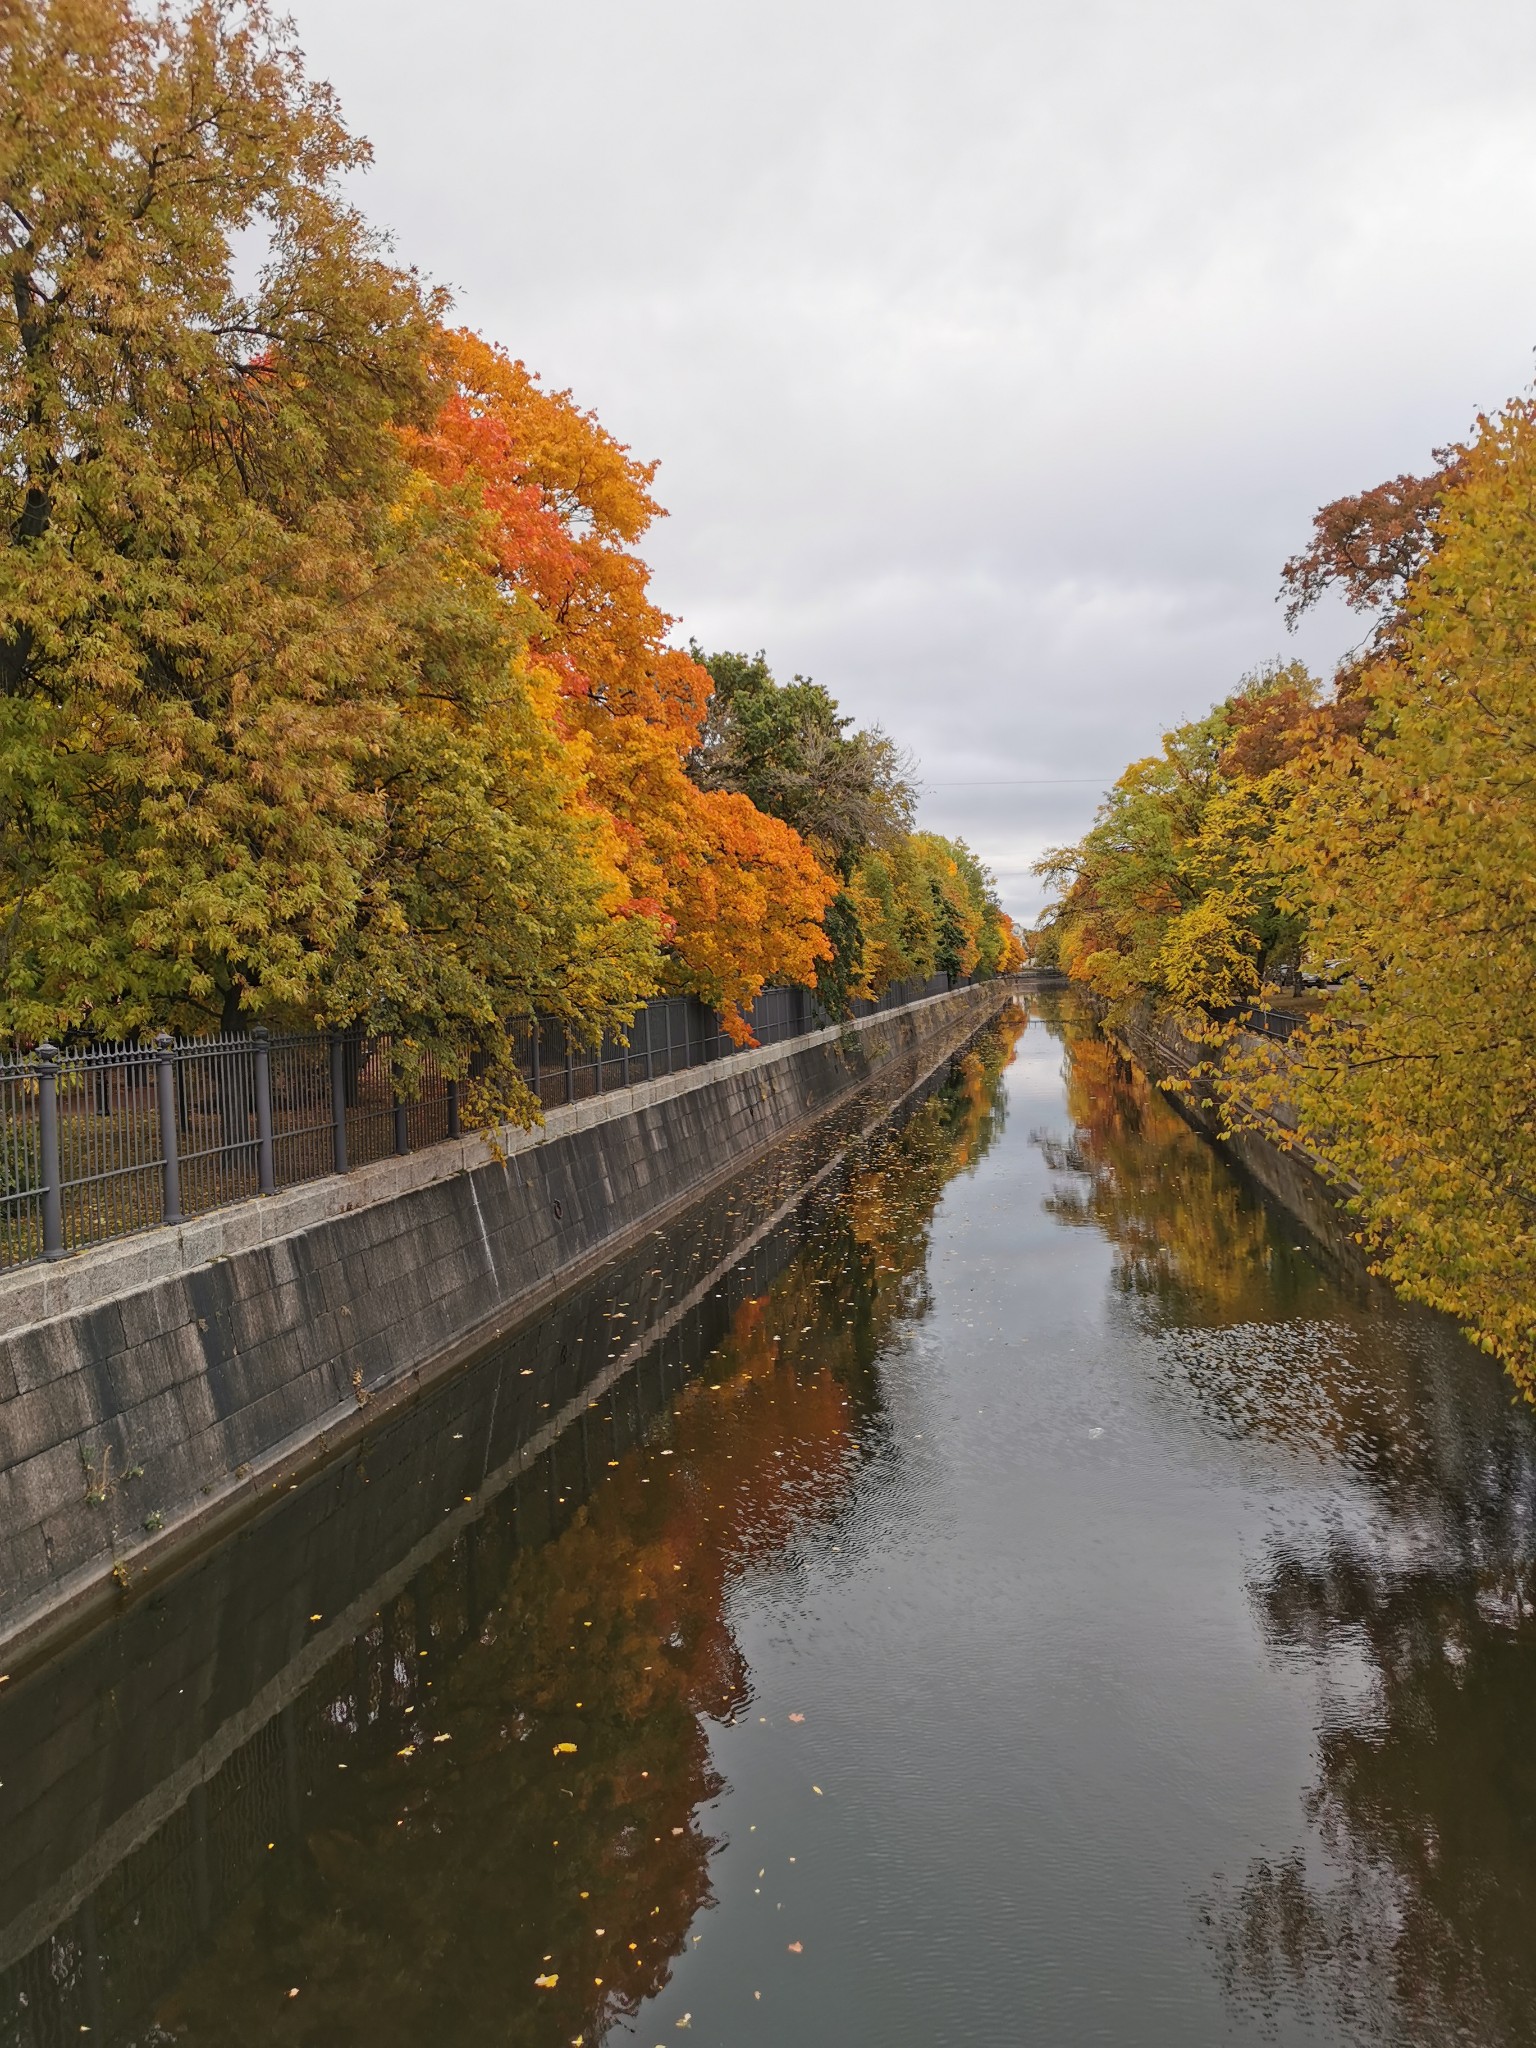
(332, 690)
(1369, 847)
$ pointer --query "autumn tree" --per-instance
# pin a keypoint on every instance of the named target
(739, 895)
(1174, 897)
(331, 687)
(1369, 546)
(265, 744)
(790, 749)
(910, 904)
(1414, 851)
(1382, 833)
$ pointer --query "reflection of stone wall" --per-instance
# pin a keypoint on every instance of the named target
(129, 1830)
(1281, 1170)
(162, 1820)
(133, 1420)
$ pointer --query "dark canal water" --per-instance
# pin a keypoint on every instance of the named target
(1019, 1593)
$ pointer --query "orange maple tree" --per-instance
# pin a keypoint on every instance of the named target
(739, 896)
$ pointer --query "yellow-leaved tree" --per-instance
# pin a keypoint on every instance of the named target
(269, 740)
(1414, 852)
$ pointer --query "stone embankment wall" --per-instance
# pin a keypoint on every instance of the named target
(1280, 1166)
(157, 1389)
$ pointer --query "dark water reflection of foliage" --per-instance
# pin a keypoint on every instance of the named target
(1187, 1232)
(1404, 1913)
(439, 1879)
(1413, 1923)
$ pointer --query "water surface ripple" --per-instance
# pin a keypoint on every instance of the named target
(1020, 1591)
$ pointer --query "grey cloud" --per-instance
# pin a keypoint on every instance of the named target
(996, 356)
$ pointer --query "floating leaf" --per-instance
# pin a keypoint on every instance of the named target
(548, 1981)
(565, 1749)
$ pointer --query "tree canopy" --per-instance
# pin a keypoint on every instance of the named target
(332, 690)
(909, 904)
(1379, 836)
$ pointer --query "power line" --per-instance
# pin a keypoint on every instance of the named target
(1027, 782)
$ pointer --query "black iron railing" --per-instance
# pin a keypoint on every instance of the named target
(1259, 1017)
(99, 1141)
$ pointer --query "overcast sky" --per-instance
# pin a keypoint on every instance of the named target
(996, 355)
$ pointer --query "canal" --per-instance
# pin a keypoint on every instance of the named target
(1017, 1590)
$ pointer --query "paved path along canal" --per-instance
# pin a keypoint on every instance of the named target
(1044, 1601)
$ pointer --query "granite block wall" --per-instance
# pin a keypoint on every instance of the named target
(150, 1388)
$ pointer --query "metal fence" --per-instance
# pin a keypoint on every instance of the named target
(99, 1141)
(1268, 1023)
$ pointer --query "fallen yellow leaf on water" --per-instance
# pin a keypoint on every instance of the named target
(818, 1791)
(565, 1749)
(796, 1948)
(407, 1751)
(797, 1717)
(442, 1738)
(548, 1983)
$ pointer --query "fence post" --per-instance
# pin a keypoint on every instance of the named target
(533, 1056)
(453, 1110)
(402, 1135)
(48, 1146)
(266, 1157)
(165, 1084)
(338, 1103)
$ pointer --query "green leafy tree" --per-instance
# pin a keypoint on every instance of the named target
(788, 748)
(911, 903)
(265, 739)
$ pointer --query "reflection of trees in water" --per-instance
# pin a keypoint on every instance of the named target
(428, 1891)
(1408, 1917)
(1260, 1341)
(1190, 1237)
(892, 1199)
(1419, 1929)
